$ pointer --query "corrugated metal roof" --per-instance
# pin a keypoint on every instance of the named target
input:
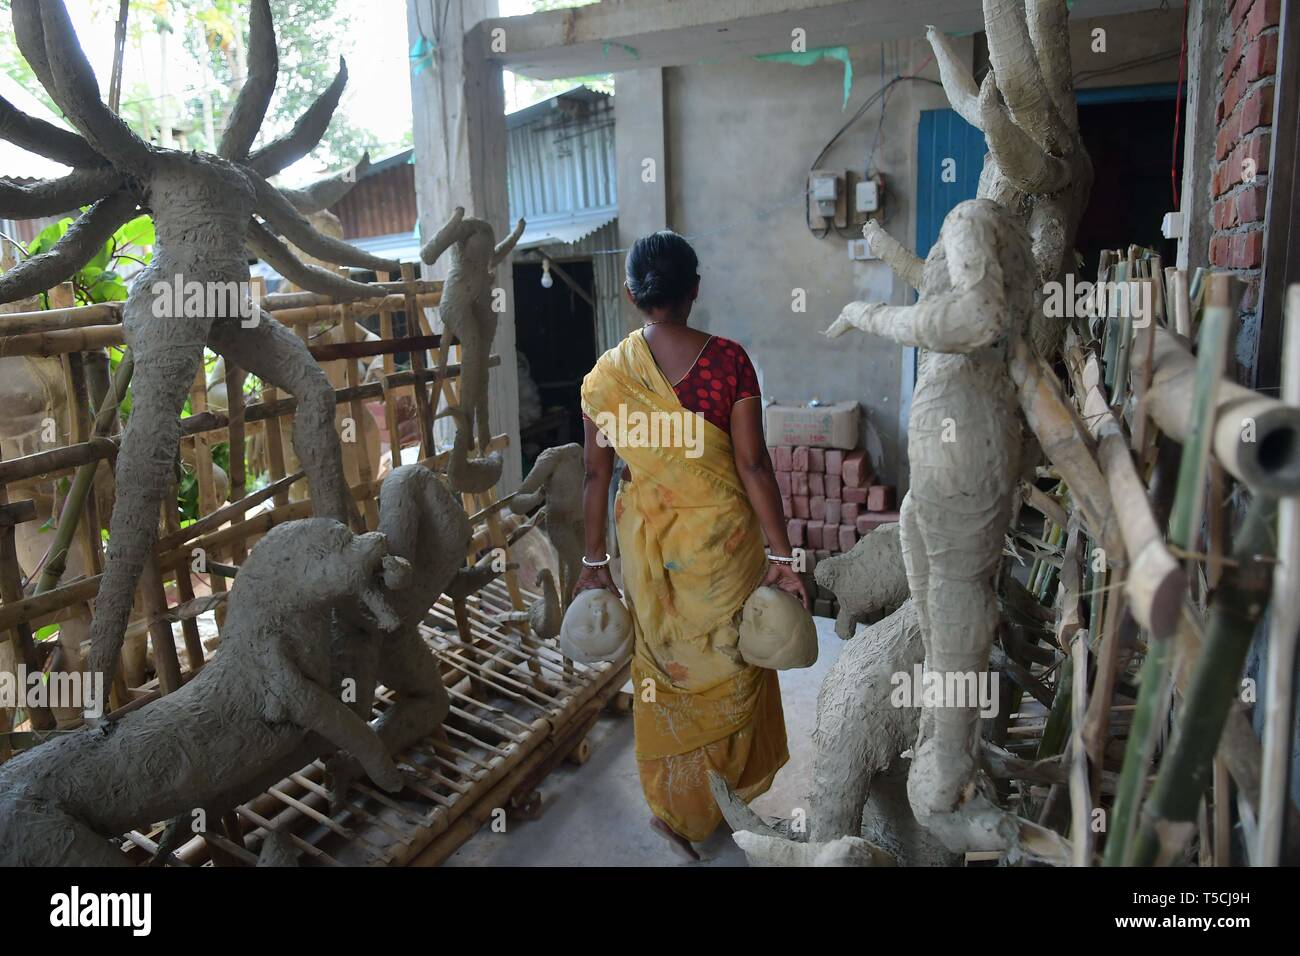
(562, 159)
(564, 228)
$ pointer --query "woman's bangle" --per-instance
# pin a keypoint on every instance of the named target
(595, 564)
(777, 559)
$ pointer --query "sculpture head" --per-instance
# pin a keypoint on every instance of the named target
(776, 631)
(316, 566)
(870, 578)
(597, 627)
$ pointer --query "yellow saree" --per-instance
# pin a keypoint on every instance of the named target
(692, 552)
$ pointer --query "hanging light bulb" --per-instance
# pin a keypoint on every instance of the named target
(547, 281)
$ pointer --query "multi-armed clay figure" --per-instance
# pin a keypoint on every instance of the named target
(467, 308)
(205, 210)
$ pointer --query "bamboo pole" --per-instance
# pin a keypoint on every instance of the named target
(1154, 581)
(1279, 688)
(1184, 526)
(1188, 764)
(295, 308)
(83, 484)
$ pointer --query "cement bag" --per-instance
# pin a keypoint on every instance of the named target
(776, 632)
(596, 627)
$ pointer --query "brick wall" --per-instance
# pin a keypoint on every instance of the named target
(1244, 118)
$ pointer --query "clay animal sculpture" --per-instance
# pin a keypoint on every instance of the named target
(859, 776)
(867, 580)
(263, 707)
(596, 627)
(204, 208)
(426, 527)
(467, 308)
(776, 631)
(555, 482)
(977, 298)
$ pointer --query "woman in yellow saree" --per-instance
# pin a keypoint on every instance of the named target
(693, 506)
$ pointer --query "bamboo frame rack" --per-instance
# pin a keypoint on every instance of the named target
(518, 706)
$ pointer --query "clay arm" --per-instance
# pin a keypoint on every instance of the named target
(286, 150)
(313, 708)
(904, 263)
(325, 193)
(970, 317)
(279, 212)
(506, 245)
(255, 96)
(1049, 31)
(958, 84)
(78, 246)
(441, 242)
(45, 139)
(72, 83)
(1022, 161)
(49, 197)
(263, 243)
(1016, 63)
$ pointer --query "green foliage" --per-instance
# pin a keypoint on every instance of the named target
(101, 279)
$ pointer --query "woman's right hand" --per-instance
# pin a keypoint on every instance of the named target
(596, 578)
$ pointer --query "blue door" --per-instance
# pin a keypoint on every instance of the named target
(950, 154)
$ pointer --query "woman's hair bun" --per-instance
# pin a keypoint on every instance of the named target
(662, 270)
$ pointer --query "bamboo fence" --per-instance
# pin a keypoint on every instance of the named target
(1131, 694)
(518, 706)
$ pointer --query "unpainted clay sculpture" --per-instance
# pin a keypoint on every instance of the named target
(204, 209)
(467, 307)
(555, 482)
(776, 631)
(426, 527)
(1036, 165)
(263, 707)
(469, 476)
(859, 776)
(596, 627)
(867, 580)
(977, 298)
(981, 288)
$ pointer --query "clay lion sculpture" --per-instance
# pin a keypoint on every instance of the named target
(260, 709)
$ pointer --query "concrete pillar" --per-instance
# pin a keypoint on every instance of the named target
(641, 163)
(458, 106)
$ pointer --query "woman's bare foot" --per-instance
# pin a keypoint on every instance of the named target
(679, 844)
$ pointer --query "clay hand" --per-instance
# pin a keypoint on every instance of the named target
(595, 578)
(786, 578)
(855, 315)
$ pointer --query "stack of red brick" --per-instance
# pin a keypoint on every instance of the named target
(830, 497)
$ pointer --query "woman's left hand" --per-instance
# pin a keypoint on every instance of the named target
(785, 577)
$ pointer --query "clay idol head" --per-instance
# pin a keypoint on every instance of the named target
(596, 627)
(776, 632)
